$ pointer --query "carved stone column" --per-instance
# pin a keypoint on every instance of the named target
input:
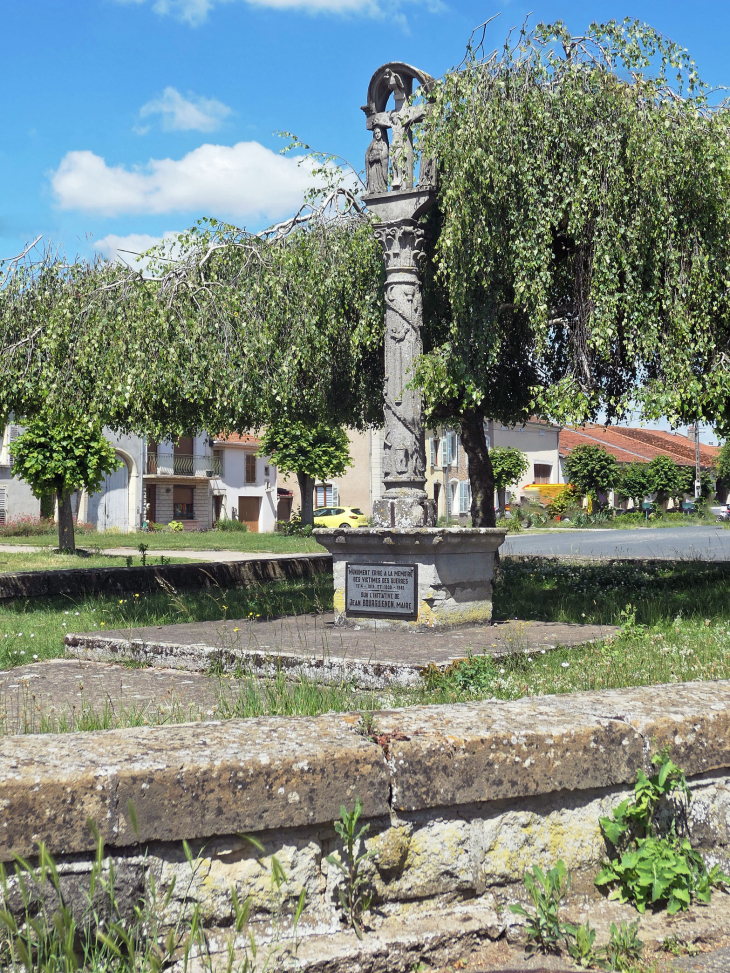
(405, 502)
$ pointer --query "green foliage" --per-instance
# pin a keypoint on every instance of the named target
(228, 524)
(624, 948)
(581, 946)
(57, 932)
(508, 464)
(656, 870)
(584, 215)
(637, 815)
(591, 469)
(635, 482)
(321, 451)
(723, 463)
(176, 526)
(665, 477)
(294, 526)
(660, 872)
(62, 457)
(565, 500)
(545, 930)
(227, 330)
(354, 898)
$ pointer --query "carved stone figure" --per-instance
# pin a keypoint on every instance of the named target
(403, 238)
(376, 163)
(428, 176)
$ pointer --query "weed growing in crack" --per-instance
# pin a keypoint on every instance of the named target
(650, 868)
(354, 898)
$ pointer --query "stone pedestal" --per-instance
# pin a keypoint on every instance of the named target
(418, 578)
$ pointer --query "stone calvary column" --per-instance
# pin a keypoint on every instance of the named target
(404, 572)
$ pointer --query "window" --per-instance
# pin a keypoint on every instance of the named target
(250, 467)
(182, 503)
(3, 504)
(432, 451)
(464, 497)
(542, 472)
(323, 495)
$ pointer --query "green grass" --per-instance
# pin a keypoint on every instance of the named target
(32, 629)
(674, 627)
(210, 540)
(12, 562)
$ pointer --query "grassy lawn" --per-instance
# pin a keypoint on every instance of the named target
(12, 562)
(675, 627)
(33, 629)
(209, 540)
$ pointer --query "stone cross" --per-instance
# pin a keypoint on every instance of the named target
(403, 238)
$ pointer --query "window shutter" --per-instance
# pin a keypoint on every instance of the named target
(456, 449)
(3, 505)
(464, 496)
(335, 495)
(250, 468)
(446, 446)
(432, 450)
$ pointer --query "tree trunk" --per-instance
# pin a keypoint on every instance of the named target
(481, 474)
(502, 500)
(306, 491)
(66, 543)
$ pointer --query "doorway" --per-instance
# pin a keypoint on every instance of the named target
(249, 509)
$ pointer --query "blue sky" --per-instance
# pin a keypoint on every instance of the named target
(126, 119)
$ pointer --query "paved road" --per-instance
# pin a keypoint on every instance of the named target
(705, 543)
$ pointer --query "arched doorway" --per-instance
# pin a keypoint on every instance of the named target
(109, 508)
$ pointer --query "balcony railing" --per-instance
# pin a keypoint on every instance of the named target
(183, 464)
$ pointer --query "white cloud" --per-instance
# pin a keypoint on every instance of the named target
(126, 249)
(245, 181)
(181, 114)
(195, 12)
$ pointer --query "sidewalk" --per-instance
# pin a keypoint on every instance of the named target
(184, 552)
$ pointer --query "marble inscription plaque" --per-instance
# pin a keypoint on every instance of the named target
(388, 590)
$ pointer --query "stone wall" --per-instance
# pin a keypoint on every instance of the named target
(460, 800)
(225, 574)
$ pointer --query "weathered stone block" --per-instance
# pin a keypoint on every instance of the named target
(455, 568)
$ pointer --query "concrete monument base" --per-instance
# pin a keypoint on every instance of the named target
(413, 578)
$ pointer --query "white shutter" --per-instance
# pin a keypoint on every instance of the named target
(3, 505)
(335, 495)
(432, 450)
(446, 447)
(456, 449)
(464, 496)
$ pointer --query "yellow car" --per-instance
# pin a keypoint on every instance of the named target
(339, 517)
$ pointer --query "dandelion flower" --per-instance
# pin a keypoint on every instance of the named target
(565, 665)
(235, 629)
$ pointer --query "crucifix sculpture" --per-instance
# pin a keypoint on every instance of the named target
(392, 197)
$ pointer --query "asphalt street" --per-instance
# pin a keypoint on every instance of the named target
(691, 543)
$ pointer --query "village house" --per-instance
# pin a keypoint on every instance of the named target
(632, 445)
(195, 481)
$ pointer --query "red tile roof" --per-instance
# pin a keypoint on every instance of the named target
(637, 445)
(237, 439)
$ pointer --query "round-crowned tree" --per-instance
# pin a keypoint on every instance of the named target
(592, 470)
(311, 452)
(509, 464)
(59, 457)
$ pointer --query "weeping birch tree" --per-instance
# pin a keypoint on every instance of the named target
(582, 254)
